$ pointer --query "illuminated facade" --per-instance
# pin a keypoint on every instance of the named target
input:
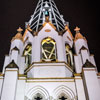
(47, 62)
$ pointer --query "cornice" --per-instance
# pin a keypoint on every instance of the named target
(35, 64)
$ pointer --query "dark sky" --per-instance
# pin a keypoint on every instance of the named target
(82, 13)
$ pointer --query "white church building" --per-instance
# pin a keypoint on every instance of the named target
(47, 62)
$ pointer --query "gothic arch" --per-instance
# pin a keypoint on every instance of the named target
(69, 54)
(52, 37)
(37, 90)
(48, 37)
(48, 49)
(64, 90)
(27, 52)
(58, 39)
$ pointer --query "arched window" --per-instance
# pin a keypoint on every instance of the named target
(27, 53)
(38, 96)
(69, 55)
(63, 97)
(48, 49)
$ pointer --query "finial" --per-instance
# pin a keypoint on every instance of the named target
(77, 29)
(78, 34)
(19, 30)
(18, 35)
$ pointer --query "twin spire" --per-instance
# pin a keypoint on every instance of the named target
(46, 8)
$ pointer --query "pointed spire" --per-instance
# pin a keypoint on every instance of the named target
(46, 8)
(18, 35)
(78, 34)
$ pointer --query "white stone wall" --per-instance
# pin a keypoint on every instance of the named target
(78, 63)
(92, 84)
(1, 83)
(80, 88)
(9, 84)
(20, 90)
(50, 89)
(67, 39)
(84, 55)
(17, 43)
(14, 56)
(6, 62)
(92, 60)
(45, 70)
(21, 65)
(99, 79)
(79, 44)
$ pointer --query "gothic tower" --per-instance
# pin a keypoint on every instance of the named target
(47, 62)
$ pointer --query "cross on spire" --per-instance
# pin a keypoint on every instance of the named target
(63, 98)
(77, 29)
(19, 30)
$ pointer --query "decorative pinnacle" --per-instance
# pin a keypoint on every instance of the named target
(77, 29)
(19, 30)
(18, 35)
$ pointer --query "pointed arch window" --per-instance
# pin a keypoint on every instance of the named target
(69, 54)
(63, 96)
(49, 49)
(27, 53)
(38, 96)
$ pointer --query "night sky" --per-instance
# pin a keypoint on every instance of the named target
(81, 13)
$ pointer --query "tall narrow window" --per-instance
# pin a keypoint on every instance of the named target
(69, 55)
(27, 53)
(48, 49)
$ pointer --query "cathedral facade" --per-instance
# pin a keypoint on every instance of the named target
(47, 62)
